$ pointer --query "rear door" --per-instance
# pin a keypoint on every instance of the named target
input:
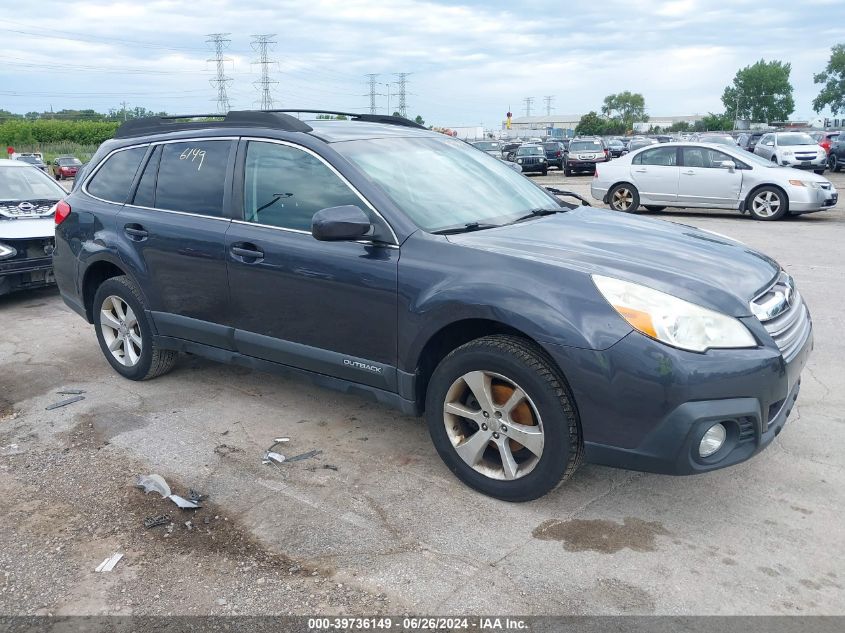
(328, 307)
(173, 233)
(704, 182)
(655, 173)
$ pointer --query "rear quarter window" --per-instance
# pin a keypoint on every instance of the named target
(113, 179)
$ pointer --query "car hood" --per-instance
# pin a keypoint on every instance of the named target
(699, 266)
(27, 228)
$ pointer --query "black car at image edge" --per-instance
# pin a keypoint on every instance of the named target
(385, 260)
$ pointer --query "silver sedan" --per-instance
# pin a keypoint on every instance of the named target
(705, 175)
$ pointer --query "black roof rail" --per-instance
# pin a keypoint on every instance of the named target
(355, 116)
(235, 118)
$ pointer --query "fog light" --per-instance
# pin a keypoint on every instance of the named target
(713, 440)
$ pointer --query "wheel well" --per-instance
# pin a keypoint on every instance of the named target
(449, 338)
(95, 275)
(751, 194)
(616, 184)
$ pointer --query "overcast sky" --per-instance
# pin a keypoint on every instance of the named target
(470, 61)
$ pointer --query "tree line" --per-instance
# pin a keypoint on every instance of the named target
(760, 92)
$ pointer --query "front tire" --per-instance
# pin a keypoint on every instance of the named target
(767, 203)
(567, 170)
(819, 171)
(624, 197)
(124, 332)
(502, 418)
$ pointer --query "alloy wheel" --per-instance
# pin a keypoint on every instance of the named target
(121, 331)
(493, 425)
(766, 204)
(833, 163)
(622, 199)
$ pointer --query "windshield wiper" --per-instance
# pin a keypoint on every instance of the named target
(539, 212)
(466, 228)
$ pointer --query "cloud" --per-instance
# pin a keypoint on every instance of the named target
(470, 60)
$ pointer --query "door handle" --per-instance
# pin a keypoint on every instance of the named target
(641, 171)
(688, 173)
(246, 250)
(136, 232)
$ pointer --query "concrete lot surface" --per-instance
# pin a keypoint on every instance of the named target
(375, 522)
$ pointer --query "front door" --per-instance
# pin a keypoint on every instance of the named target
(704, 182)
(328, 307)
(655, 174)
(174, 228)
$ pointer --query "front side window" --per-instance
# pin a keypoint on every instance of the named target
(285, 186)
(113, 179)
(661, 156)
(191, 177)
(704, 157)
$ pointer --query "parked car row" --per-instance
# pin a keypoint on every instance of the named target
(62, 167)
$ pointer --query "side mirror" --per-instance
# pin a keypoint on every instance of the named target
(729, 165)
(337, 224)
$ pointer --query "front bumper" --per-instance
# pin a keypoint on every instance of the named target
(809, 199)
(645, 406)
(31, 267)
(534, 167)
(815, 163)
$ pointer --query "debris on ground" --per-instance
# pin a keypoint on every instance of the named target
(331, 467)
(307, 455)
(70, 392)
(196, 497)
(109, 563)
(156, 483)
(64, 403)
(155, 521)
(274, 457)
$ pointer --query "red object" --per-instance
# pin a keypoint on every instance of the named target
(62, 211)
(10, 150)
(825, 143)
(558, 153)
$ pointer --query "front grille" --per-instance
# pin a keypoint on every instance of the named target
(26, 208)
(783, 313)
(530, 161)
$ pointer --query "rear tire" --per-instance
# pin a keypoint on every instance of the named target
(567, 170)
(624, 197)
(484, 451)
(767, 203)
(819, 171)
(654, 208)
(124, 332)
(833, 164)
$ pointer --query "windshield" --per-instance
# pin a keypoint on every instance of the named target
(442, 183)
(487, 145)
(796, 139)
(615, 143)
(532, 150)
(585, 146)
(25, 183)
(65, 162)
(722, 140)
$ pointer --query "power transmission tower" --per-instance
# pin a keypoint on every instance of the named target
(402, 82)
(548, 101)
(371, 84)
(529, 102)
(261, 45)
(219, 43)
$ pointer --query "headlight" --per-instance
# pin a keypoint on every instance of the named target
(519, 160)
(806, 183)
(7, 251)
(671, 320)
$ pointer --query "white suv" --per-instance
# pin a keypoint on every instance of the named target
(793, 149)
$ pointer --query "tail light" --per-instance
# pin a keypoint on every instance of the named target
(558, 154)
(62, 211)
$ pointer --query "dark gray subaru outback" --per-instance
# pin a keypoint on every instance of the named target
(385, 260)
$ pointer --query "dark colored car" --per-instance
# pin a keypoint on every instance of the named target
(615, 147)
(748, 140)
(836, 155)
(825, 139)
(66, 167)
(531, 157)
(28, 198)
(638, 143)
(554, 153)
(584, 154)
(33, 160)
(509, 150)
(383, 259)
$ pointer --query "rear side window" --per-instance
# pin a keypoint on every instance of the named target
(191, 177)
(113, 179)
(664, 156)
(285, 186)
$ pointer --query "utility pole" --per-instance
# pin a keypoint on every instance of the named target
(371, 84)
(548, 100)
(219, 43)
(261, 45)
(403, 78)
(529, 102)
